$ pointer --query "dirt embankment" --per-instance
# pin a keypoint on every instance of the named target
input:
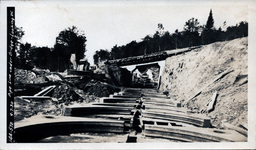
(195, 76)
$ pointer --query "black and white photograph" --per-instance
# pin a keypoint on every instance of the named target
(127, 74)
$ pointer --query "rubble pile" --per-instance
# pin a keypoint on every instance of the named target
(43, 92)
(26, 108)
(65, 94)
(99, 89)
(27, 77)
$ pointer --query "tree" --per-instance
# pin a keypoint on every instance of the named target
(167, 42)
(41, 57)
(74, 42)
(210, 21)
(147, 44)
(191, 35)
(17, 37)
(209, 34)
(242, 29)
(191, 25)
(156, 42)
(160, 29)
(101, 55)
(115, 52)
(175, 35)
(18, 33)
(24, 52)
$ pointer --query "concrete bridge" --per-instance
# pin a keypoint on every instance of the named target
(150, 58)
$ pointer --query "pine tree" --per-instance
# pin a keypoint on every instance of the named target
(210, 21)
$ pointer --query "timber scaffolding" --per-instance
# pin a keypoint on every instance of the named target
(158, 56)
(137, 114)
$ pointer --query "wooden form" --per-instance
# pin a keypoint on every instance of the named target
(124, 96)
(155, 95)
(39, 127)
(113, 116)
(95, 109)
(158, 104)
(194, 119)
(161, 101)
(151, 121)
(119, 100)
(155, 108)
(129, 105)
(192, 134)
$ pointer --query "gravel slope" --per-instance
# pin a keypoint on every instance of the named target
(194, 73)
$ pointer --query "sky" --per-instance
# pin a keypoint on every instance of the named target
(107, 23)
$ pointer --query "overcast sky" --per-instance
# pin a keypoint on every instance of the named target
(116, 22)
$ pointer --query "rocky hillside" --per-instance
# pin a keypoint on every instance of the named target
(194, 77)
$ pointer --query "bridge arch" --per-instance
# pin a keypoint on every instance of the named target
(145, 69)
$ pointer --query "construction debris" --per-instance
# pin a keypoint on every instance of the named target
(210, 105)
(43, 86)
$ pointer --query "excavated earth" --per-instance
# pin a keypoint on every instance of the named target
(191, 78)
(195, 76)
(64, 94)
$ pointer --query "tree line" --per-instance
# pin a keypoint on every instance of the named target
(72, 40)
(193, 34)
(69, 41)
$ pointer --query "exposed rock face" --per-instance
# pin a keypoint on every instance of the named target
(195, 76)
(119, 76)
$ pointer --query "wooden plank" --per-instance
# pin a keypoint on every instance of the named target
(219, 77)
(210, 105)
(239, 130)
(45, 91)
(35, 97)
